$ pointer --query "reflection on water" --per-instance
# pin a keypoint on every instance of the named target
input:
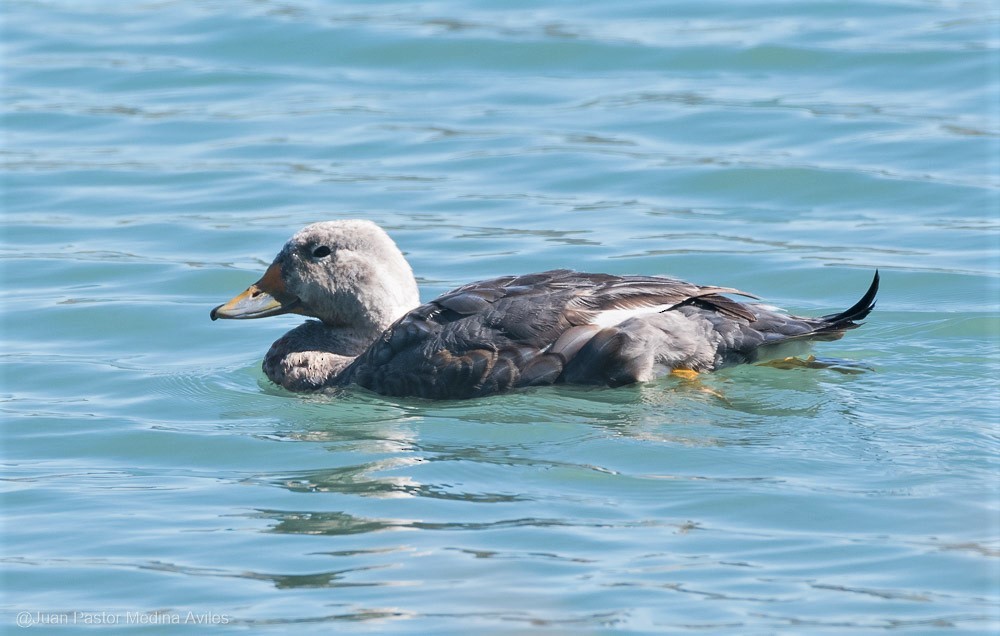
(358, 480)
(337, 523)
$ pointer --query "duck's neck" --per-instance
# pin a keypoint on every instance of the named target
(314, 354)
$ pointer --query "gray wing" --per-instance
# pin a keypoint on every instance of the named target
(519, 331)
(703, 334)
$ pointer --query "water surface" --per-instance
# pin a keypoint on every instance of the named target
(157, 154)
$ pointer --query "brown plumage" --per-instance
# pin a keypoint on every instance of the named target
(487, 337)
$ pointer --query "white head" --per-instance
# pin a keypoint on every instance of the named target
(347, 273)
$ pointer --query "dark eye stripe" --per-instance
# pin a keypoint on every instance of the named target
(321, 251)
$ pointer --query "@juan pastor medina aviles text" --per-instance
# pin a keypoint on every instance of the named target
(29, 619)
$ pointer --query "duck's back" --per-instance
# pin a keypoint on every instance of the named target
(565, 326)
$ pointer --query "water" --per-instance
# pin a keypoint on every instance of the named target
(157, 154)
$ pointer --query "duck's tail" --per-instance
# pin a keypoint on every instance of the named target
(833, 326)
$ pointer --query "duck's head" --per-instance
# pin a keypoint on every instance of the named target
(346, 273)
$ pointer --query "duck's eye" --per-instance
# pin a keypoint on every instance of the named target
(321, 251)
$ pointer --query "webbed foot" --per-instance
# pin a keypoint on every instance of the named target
(691, 379)
(812, 362)
(684, 374)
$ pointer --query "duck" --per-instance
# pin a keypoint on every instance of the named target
(368, 328)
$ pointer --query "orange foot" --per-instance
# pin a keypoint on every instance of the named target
(686, 374)
(692, 380)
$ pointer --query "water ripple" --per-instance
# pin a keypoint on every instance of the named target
(156, 155)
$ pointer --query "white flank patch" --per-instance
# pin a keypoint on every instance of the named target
(612, 317)
(777, 310)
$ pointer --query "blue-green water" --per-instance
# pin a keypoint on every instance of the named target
(157, 154)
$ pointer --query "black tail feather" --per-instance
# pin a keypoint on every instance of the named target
(848, 319)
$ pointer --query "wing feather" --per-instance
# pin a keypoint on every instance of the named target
(511, 331)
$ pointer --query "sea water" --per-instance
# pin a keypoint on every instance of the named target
(158, 153)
